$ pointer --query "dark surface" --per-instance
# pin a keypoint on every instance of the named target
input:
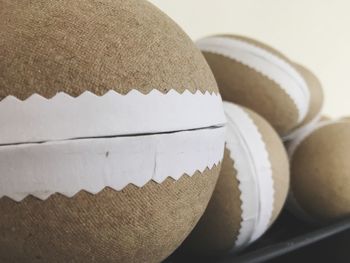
(291, 240)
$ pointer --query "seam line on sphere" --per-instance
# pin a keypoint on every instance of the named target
(109, 115)
(93, 164)
(111, 136)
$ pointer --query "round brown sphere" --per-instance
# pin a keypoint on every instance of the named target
(47, 47)
(320, 181)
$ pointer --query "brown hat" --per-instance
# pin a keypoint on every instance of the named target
(319, 172)
(258, 77)
(107, 147)
(251, 190)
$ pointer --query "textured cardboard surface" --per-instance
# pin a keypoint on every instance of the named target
(218, 228)
(320, 172)
(134, 225)
(73, 46)
(316, 93)
(245, 86)
(279, 162)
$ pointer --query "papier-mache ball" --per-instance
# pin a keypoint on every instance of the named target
(320, 181)
(259, 77)
(107, 146)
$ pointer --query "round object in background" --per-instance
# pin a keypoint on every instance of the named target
(251, 189)
(320, 181)
(260, 78)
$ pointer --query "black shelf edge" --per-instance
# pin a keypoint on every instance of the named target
(281, 248)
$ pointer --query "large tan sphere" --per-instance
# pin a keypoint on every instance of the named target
(61, 48)
(320, 180)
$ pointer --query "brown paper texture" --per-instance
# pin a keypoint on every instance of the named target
(133, 225)
(319, 170)
(217, 230)
(82, 45)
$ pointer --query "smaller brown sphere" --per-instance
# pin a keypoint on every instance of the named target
(320, 178)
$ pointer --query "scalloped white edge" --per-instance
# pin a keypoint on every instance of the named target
(67, 167)
(254, 173)
(266, 63)
(63, 117)
(292, 204)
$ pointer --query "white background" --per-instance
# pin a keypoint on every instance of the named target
(315, 33)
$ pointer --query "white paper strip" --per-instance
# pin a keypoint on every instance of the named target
(264, 62)
(67, 167)
(64, 117)
(254, 174)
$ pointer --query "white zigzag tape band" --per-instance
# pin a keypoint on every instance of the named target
(254, 174)
(63, 117)
(70, 166)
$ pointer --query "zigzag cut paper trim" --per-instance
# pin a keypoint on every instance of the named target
(68, 167)
(63, 117)
(254, 173)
